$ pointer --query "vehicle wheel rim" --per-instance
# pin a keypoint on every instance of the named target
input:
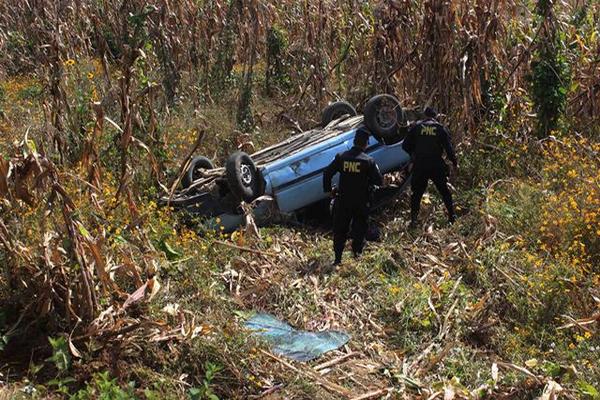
(386, 116)
(246, 174)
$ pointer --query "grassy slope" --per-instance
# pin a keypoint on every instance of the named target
(427, 310)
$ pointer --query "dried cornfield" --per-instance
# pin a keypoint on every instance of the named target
(85, 157)
(456, 54)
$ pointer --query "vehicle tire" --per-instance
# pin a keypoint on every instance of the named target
(336, 110)
(384, 116)
(198, 163)
(243, 177)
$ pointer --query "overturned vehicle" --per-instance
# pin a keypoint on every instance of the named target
(286, 178)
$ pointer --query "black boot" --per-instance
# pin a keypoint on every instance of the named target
(451, 213)
(338, 257)
(329, 269)
(414, 222)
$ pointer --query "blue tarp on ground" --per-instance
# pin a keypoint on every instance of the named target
(295, 344)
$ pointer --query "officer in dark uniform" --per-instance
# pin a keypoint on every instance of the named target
(358, 174)
(426, 141)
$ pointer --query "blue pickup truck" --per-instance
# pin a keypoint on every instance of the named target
(287, 177)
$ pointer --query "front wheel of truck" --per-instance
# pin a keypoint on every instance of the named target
(243, 178)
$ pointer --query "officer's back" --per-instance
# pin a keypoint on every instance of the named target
(357, 172)
(426, 142)
(355, 168)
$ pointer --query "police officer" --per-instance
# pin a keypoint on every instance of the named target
(358, 173)
(426, 141)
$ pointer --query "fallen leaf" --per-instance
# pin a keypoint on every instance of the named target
(154, 287)
(136, 296)
(73, 349)
(171, 309)
(495, 372)
(532, 363)
(551, 391)
(449, 393)
(171, 253)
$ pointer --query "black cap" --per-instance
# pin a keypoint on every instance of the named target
(361, 138)
(430, 112)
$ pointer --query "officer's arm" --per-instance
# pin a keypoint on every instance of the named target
(448, 146)
(409, 141)
(375, 177)
(328, 174)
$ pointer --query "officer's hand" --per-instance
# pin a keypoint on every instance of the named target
(334, 192)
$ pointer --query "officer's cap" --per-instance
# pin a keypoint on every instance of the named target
(361, 137)
(430, 112)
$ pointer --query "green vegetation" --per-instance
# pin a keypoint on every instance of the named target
(549, 71)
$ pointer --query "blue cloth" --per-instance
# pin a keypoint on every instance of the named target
(295, 344)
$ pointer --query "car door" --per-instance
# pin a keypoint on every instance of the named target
(297, 181)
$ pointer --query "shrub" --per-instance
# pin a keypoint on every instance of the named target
(549, 76)
(103, 388)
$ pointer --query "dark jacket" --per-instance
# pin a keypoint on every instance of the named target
(358, 172)
(426, 142)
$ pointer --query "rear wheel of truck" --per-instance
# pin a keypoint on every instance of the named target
(384, 117)
(336, 110)
(243, 177)
(197, 166)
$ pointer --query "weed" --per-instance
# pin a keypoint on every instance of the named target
(205, 392)
(276, 74)
(550, 77)
(61, 356)
(103, 387)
